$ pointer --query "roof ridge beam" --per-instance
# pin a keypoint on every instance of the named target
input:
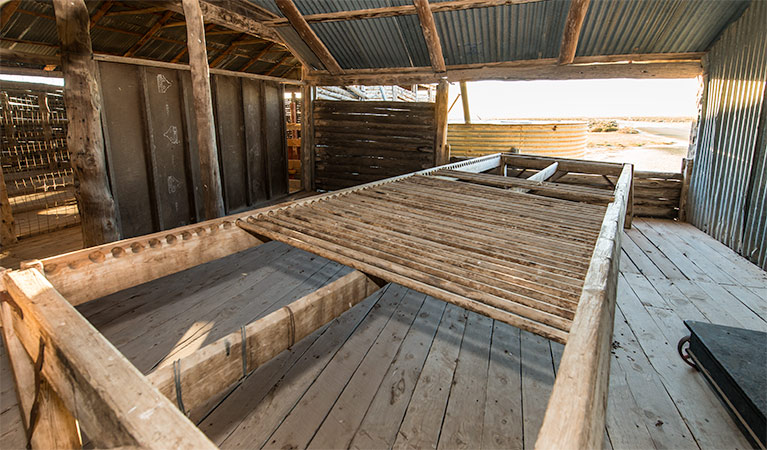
(430, 35)
(308, 35)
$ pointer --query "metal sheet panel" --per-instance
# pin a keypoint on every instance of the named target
(727, 190)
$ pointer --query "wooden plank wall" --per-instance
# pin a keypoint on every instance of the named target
(360, 142)
(152, 147)
(656, 194)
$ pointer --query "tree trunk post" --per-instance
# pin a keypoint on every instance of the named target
(85, 140)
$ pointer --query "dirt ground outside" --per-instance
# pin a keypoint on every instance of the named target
(657, 145)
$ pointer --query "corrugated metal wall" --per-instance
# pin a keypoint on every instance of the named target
(728, 189)
(564, 139)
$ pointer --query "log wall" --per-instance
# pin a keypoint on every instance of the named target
(152, 144)
(656, 194)
(360, 142)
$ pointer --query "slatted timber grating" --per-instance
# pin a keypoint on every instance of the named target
(514, 256)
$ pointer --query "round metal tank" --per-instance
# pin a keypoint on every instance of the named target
(566, 139)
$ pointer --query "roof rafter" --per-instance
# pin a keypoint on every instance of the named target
(391, 11)
(572, 32)
(258, 56)
(308, 35)
(277, 64)
(430, 35)
(657, 65)
(148, 35)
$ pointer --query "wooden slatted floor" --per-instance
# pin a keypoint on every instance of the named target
(405, 368)
(512, 256)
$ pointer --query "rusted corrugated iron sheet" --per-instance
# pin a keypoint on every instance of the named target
(728, 190)
(565, 139)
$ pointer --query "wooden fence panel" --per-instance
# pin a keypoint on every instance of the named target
(360, 142)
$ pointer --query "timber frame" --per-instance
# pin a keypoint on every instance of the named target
(88, 385)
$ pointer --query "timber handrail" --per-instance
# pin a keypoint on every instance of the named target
(575, 416)
(110, 399)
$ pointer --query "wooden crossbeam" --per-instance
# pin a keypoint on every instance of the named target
(157, 25)
(112, 401)
(8, 10)
(430, 35)
(226, 51)
(217, 366)
(258, 56)
(133, 12)
(308, 35)
(277, 64)
(556, 190)
(103, 9)
(392, 11)
(572, 31)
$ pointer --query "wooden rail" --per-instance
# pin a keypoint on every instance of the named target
(575, 416)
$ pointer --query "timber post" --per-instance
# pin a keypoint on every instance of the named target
(465, 102)
(7, 226)
(441, 152)
(307, 137)
(203, 110)
(85, 140)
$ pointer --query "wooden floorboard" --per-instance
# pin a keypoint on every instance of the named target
(408, 371)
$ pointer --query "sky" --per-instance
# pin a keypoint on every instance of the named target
(496, 100)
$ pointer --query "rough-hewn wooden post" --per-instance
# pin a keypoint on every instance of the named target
(7, 227)
(307, 138)
(465, 102)
(441, 153)
(84, 137)
(203, 110)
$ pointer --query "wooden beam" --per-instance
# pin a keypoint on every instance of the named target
(540, 69)
(184, 50)
(430, 35)
(54, 426)
(228, 19)
(465, 101)
(217, 366)
(101, 12)
(85, 137)
(686, 177)
(575, 416)
(8, 10)
(112, 401)
(308, 35)
(545, 173)
(227, 51)
(203, 110)
(258, 56)
(441, 149)
(278, 64)
(392, 11)
(307, 137)
(567, 165)
(148, 35)
(572, 32)
(133, 12)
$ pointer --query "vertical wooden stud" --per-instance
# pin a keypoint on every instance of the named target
(307, 138)
(465, 101)
(203, 110)
(85, 139)
(686, 176)
(441, 151)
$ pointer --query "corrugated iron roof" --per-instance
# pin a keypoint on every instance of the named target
(517, 32)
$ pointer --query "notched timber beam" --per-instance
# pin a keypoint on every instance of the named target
(308, 35)
(212, 369)
(539, 69)
(572, 31)
(112, 401)
(228, 19)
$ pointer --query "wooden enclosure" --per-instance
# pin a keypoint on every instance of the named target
(579, 313)
(360, 142)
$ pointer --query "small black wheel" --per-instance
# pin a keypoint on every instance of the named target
(682, 349)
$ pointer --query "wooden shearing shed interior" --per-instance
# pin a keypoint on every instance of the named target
(247, 223)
